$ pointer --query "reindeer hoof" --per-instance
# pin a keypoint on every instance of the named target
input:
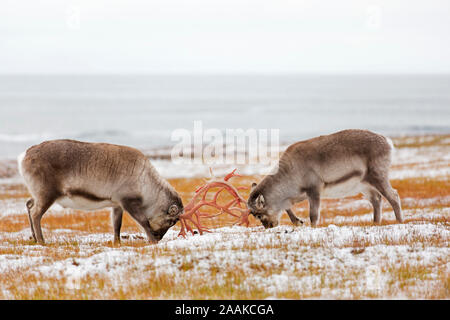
(298, 223)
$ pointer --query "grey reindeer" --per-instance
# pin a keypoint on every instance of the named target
(92, 176)
(342, 164)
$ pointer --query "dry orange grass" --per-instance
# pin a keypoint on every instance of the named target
(422, 188)
(422, 141)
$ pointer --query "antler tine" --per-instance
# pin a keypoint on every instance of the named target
(186, 227)
(199, 201)
(231, 175)
(217, 195)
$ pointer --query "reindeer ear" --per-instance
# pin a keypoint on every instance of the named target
(260, 203)
(173, 210)
(253, 186)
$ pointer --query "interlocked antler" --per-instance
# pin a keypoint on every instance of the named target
(236, 207)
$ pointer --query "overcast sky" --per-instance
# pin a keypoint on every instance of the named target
(224, 36)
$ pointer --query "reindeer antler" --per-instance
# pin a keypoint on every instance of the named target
(234, 207)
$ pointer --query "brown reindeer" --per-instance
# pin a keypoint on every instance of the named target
(337, 165)
(92, 176)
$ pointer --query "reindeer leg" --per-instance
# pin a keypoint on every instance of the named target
(117, 214)
(381, 182)
(30, 204)
(39, 208)
(296, 221)
(314, 205)
(375, 199)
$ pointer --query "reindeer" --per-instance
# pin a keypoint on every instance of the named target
(342, 164)
(93, 176)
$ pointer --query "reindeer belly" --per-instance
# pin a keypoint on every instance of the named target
(80, 203)
(349, 188)
(83, 200)
(349, 184)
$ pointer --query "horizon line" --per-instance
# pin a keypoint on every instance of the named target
(226, 74)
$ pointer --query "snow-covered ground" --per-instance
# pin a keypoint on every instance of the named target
(328, 262)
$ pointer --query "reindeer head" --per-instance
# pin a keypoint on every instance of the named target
(165, 215)
(261, 209)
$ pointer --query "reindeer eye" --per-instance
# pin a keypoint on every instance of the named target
(258, 216)
(173, 210)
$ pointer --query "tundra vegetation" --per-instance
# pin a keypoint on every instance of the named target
(345, 257)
